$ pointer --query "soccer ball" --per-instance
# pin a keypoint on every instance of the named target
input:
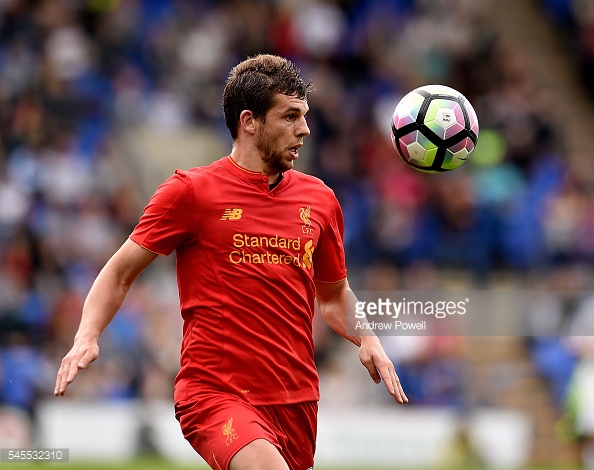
(434, 128)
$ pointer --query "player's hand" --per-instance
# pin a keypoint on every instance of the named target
(79, 357)
(380, 367)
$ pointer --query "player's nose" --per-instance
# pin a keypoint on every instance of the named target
(303, 128)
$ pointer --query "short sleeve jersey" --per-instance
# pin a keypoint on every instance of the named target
(247, 258)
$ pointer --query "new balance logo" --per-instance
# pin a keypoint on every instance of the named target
(232, 214)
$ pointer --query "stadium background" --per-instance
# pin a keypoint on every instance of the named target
(101, 100)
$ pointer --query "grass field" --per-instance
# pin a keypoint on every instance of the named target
(156, 464)
(136, 466)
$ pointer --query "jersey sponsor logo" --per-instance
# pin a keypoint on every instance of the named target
(229, 432)
(241, 240)
(308, 255)
(232, 214)
(304, 213)
(256, 249)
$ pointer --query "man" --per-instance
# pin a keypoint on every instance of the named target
(255, 243)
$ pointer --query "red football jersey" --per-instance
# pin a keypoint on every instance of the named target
(247, 257)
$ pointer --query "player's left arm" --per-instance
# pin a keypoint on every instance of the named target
(337, 304)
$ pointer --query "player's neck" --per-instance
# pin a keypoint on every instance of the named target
(251, 161)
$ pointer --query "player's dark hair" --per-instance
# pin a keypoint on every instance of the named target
(253, 83)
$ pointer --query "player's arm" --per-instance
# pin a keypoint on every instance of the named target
(337, 304)
(103, 301)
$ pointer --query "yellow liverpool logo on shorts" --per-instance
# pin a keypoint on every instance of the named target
(229, 432)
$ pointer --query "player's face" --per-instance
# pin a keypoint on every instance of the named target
(282, 133)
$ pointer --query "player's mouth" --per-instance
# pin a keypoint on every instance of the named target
(295, 150)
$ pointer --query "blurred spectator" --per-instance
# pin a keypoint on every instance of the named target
(580, 398)
(76, 77)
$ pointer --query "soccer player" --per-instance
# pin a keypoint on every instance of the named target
(256, 243)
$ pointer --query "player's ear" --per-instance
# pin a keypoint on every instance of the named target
(247, 121)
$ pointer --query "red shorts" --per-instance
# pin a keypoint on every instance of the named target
(218, 425)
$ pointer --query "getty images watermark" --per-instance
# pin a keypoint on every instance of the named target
(472, 313)
(406, 314)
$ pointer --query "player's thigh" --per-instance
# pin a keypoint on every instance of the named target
(219, 426)
(258, 455)
(295, 427)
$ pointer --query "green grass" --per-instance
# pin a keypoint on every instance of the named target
(136, 465)
(169, 466)
(157, 464)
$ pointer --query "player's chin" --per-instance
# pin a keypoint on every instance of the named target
(287, 164)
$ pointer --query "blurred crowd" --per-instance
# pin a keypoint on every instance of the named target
(75, 76)
(576, 20)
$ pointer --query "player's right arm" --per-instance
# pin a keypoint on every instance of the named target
(103, 301)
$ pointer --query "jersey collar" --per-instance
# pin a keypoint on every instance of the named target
(243, 173)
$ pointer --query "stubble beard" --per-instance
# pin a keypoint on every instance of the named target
(273, 160)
